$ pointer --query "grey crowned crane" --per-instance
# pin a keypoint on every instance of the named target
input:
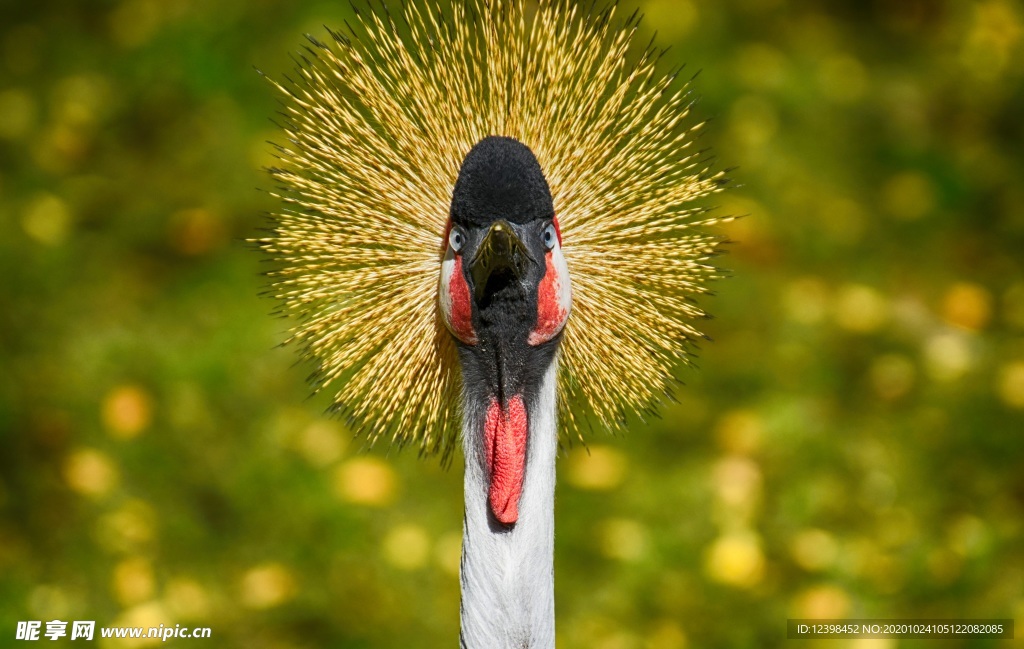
(488, 217)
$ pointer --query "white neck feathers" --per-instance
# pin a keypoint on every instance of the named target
(507, 574)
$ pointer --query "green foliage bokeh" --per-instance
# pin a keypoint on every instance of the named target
(851, 446)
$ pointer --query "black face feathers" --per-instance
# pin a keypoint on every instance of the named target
(500, 178)
(502, 204)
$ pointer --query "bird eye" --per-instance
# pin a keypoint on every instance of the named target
(550, 237)
(456, 239)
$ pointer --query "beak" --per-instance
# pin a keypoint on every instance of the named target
(501, 250)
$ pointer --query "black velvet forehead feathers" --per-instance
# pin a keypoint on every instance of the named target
(500, 178)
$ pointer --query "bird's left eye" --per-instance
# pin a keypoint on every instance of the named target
(550, 237)
(456, 239)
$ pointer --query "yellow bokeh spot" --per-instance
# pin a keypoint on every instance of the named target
(600, 469)
(146, 615)
(740, 432)
(814, 549)
(822, 603)
(968, 306)
(322, 442)
(735, 559)
(133, 581)
(623, 539)
(127, 411)
(737, 482)
(17, 114)
(908, 195)
(860, 308)
(186, 599)
(47, 219)
(947, 356)
(365, 481)
(90, 472)
(266, 586)
(892, 376)
(407, 547)
(1011, 384)
(992, 39)
(78, 101)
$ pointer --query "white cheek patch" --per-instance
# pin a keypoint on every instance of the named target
(564, 285)
(444, 294)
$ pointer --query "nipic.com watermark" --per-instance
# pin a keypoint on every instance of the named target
(86, 630)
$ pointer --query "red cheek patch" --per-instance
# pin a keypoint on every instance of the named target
(551, 315)
(505, 432)
(461, 318)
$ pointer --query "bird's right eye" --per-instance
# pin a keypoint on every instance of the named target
(550, 236)
(456, 239)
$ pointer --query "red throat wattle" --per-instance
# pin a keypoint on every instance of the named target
(505, 433)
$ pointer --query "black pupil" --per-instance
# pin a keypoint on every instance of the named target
(547, 235)
(458, 239)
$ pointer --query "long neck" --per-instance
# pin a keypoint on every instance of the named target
(507, 573)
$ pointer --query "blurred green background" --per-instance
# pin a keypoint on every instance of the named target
(852, 445)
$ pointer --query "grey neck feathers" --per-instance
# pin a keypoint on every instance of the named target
(507, 574)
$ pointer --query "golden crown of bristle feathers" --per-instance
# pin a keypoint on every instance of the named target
(377, 124)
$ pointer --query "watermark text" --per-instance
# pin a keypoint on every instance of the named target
(87, 630)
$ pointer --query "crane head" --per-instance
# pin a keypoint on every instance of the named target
(391, 173)
(504, 280)
(505, 296)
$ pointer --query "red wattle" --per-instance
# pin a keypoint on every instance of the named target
(505, 432)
